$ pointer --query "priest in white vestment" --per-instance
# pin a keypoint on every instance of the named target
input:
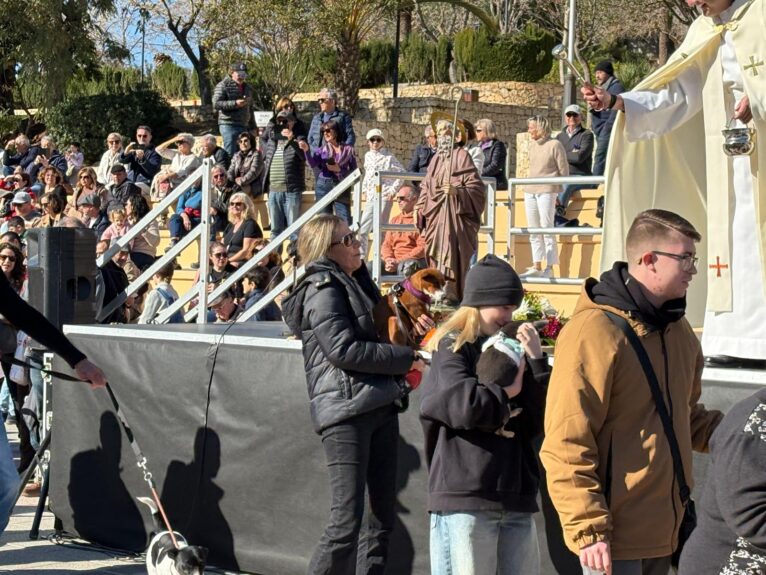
(667, 152)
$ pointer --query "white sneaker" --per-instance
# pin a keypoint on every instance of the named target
(547, 273)
(531, 273)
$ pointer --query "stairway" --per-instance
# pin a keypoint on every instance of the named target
(579, 255)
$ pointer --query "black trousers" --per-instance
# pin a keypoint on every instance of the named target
(360, 451)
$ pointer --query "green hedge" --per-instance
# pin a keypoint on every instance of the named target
(170, 80)
(376, 63)
(88, 119)
(522, 57)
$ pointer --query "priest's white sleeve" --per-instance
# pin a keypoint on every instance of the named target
(651, 113)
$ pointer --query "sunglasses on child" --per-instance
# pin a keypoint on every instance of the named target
(347, 240)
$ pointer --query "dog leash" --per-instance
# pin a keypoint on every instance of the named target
(140, 457)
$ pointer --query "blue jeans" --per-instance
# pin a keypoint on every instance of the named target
(284, 209)
(342, 206)
(484, 543)
(361, 450)
(6, 401)
(599, 158)
(36, 381)
(9, 480)
(230, 133)
(176, 227)
(569, 191)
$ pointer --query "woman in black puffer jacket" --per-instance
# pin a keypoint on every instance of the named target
(354, 384)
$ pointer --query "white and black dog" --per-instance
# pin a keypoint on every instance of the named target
(163, 558)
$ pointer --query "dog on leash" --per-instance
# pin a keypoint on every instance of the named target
(163, 558)
(397, 314)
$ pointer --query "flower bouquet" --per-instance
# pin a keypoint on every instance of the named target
(546, 319)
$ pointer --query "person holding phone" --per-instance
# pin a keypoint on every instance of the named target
(333, 161)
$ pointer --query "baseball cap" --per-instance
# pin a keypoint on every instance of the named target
(89, 200)
(238, 67)
(375, 132)
(573, 109)
(21, 198)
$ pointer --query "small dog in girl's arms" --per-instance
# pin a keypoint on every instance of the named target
(501, 357)
(163, 558)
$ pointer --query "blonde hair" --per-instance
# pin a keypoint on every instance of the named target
(248, 212)
(282, 102)
(542, 124)
(116, 211)
(488, 126)
(315, 239)
(465, 322)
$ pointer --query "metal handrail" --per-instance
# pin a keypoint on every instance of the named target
(203, 172)
(293, 278)
(378, 227)
(514, 231)
(352, 179)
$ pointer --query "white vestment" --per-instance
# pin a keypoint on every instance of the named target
(738, 326)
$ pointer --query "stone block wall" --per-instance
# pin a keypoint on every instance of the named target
(403, 120)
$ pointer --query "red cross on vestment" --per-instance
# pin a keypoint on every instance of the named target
(718, 266)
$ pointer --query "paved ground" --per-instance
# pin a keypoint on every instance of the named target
(18, 554)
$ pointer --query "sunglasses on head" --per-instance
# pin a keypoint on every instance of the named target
(347, 240)
(376, 140)
(10, 258)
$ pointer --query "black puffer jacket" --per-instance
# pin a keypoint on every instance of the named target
(348, 370)
(225, 97)
(295, 163)
(494, 164)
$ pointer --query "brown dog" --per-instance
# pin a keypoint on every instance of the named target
(397, 313)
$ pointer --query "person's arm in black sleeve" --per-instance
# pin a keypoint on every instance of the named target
(453, 395)
(24, 317)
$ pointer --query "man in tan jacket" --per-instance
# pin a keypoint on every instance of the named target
(608, 463)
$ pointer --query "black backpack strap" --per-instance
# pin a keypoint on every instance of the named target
(659, 400)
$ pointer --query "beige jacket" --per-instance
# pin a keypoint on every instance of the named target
(607, 459)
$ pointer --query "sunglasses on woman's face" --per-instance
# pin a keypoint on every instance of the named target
(243, 141)
(376, 140)
(10, 258)
(86, 177)
(220, 255)
(328, 131)
(236, 204)
(347, 240)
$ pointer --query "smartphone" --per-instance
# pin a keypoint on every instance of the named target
(330, 161)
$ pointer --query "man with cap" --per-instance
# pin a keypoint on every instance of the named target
(89, 206)
(482, 486)
(233, 100)
(602, 121)
(122, 188)
(377, 159)
(328, 110)
(22, 206)
(284, 171)
(578, 143)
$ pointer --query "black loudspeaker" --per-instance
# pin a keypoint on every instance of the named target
(61, 266)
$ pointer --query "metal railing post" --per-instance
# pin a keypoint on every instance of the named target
(204, 244)
(376, 225)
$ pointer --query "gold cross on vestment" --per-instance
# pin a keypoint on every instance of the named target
(718, 266)
(753, 65)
